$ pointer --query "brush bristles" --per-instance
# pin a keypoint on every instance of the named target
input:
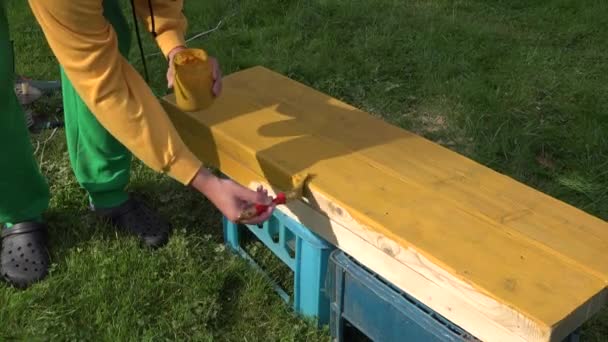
(300, 181)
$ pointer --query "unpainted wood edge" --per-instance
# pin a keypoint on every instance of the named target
(410, 258)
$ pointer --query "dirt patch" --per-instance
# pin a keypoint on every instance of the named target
(434, 121)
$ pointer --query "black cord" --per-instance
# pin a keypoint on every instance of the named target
(141, 48)
(152, 18)
(13, 56)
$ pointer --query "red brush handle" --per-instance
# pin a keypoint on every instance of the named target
(280, 199)
(257, 209)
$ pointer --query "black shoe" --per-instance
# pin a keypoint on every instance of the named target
(135, 217)
(24, 256)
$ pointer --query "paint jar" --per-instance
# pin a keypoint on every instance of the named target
(193, 84)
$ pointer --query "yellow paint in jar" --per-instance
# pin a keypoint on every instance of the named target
(193, 80)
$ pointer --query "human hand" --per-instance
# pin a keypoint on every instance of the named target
(231, 198)
(217, 76)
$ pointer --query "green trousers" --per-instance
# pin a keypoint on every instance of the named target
(101, 164)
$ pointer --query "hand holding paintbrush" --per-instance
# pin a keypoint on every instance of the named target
(281, 198)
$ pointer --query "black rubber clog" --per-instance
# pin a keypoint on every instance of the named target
(24, 256)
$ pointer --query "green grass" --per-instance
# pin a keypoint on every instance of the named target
(519, 86)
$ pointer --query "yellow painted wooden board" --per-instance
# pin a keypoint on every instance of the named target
(506, 261)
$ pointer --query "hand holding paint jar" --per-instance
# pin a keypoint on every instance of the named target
(197, 80)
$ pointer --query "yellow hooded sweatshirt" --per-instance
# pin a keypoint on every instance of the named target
(86, 46)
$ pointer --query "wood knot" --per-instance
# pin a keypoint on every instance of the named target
(335, 209)
(514, 216)
(387, 246)
(510, 284)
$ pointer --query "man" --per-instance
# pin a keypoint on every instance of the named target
(110, 113)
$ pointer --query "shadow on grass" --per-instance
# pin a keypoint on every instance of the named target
(229, 295)
(73, 227)
(188, 211)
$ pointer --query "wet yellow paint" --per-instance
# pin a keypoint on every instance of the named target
(529, 251)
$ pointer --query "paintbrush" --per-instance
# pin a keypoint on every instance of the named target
(281, 198)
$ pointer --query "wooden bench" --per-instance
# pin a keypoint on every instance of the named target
(498, 258)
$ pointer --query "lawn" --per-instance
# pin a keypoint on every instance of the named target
(519, 86)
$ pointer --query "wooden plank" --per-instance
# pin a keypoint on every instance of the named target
(452, 176)
(493, 279)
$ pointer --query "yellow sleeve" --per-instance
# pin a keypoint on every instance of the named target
(170, 24)
(86, 46)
